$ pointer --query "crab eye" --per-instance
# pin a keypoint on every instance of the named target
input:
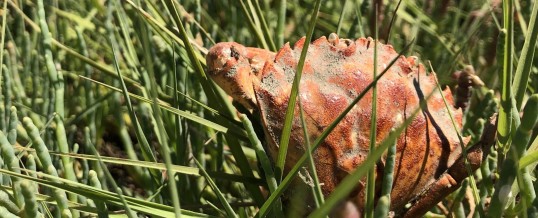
(234, 53)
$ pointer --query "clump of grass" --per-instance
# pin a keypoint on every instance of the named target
(126, 81)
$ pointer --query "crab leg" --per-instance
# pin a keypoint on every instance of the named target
(452, 178)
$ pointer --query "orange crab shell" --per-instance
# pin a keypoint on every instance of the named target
(333, 76)
(335, 72)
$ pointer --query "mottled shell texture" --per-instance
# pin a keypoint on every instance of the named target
(335, 72)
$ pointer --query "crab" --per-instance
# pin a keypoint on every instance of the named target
(429, 163)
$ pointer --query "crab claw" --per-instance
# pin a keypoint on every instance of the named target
(234, 68)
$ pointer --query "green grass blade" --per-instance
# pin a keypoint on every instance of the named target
(524, 64)
(145, 146)
(101, 67)
(253, 25)
(140, 205)
(281, 22)
(521, 140)
(185, 114)
(463, 147)
(30, 206)
(318, 195)
(6, 202)
(342, 15)
(505, 117)
(264, 160)
(264, 27)
(12, 163)
(230, 212)
(504, 131)
(56, 78)
(286, 130)
(161, 28)
(140, 135)
(159, 166)
(383, 204)
(370, 177)
(530, 159)
(128, 162)
(57, 81)
(157, 113)
(6, 213)
(185, 38)
(45, 159)
(3, 37)
(94, 182)
(357, 29)
(392, 19)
